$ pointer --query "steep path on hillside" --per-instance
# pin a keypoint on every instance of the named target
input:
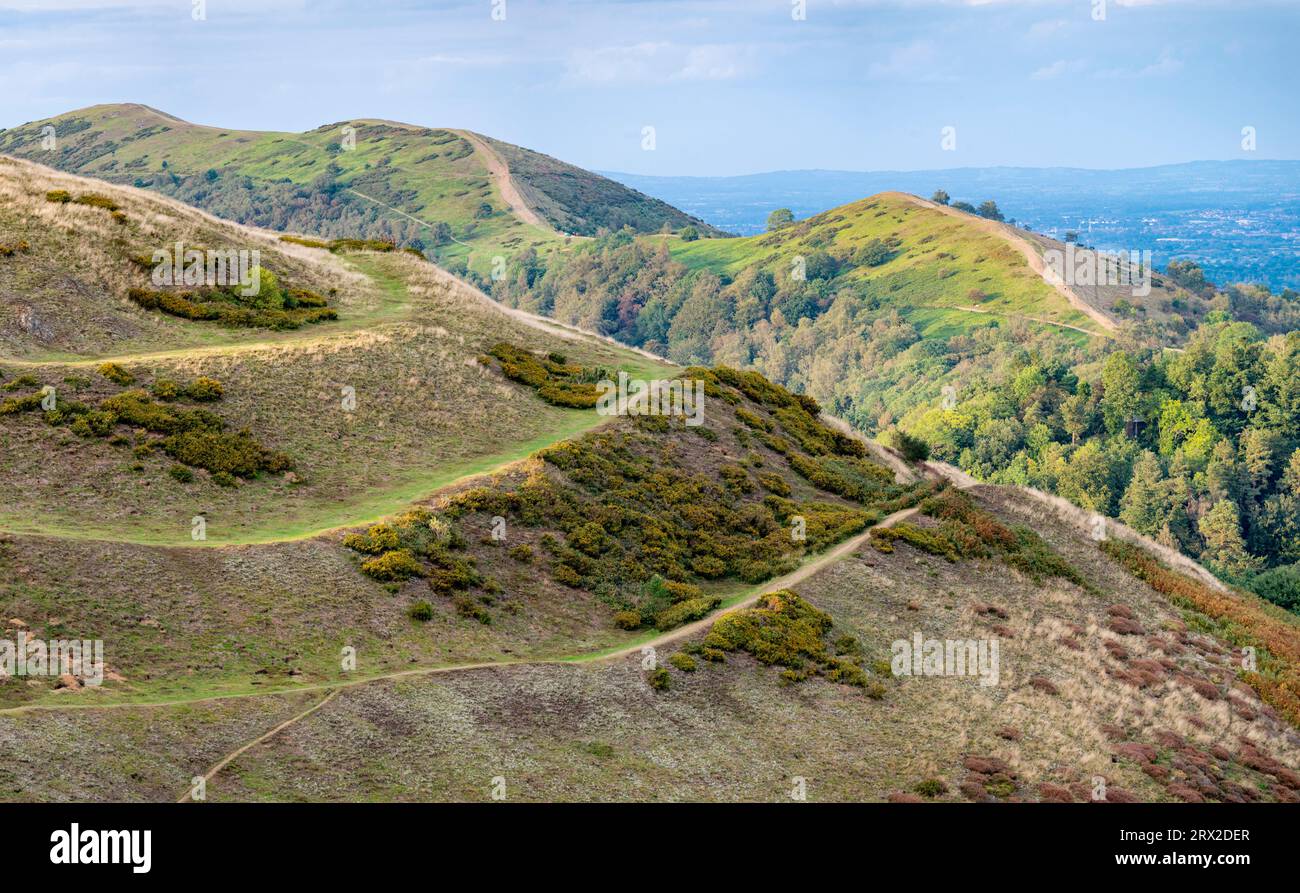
(682, 632)
(751, 596)
(505, 183)
(1031, 255)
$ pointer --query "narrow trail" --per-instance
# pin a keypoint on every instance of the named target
(456, 286)
(682, 632)
(187, 797)
(1037, 319)
(783, 582)
(1031, 255)
(496, 165)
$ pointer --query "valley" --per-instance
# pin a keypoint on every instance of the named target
(358, 531)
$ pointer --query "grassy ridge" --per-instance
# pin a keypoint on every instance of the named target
(419, 186)
(930, 264)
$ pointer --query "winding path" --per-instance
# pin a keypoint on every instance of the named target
(787, 581)
(793, 578)
(1031, 255)
(510, 193)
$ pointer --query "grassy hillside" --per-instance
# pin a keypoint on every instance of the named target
(938, 272)
(873, 308)
(577, 201)
(403, 347)
(1105, 678)
(419, 186)
(607, 538)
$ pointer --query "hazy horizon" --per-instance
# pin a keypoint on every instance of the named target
(730, 88)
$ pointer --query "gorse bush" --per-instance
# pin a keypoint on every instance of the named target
(193, 437)
(238, 453)
(555, 381)
(784, 630)
(964, 531)
(418, 543)
(23, 381)
(204, 389)
(225, 307)
(273, 305)
(399, 564)
(89, 199)
(116, 374)
(624, 513)
(685, 612)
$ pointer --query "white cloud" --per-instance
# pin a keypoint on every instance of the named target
(660, 62)
(1043, 30)
(916, 61)
(1167, 64)
(1049, 72)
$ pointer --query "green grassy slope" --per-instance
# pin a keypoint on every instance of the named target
(405, 342)
(362, 178)
(587, 527)
(938, 265)
(721, 731)
(577, 201)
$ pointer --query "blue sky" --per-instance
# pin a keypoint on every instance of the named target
(729, 86)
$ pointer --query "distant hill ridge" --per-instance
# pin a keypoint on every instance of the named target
(463, 198)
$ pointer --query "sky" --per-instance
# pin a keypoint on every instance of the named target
(728, 86)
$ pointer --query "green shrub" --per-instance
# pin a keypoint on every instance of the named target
(116, 374)
(309, 243)
(181, 473)
(628, 620)
(659, 679)
(566, 575)
(753, 420)
(421, 612)
(784, 630)
(166, 389)
(15, 405)
(683, 662)
(913, 449)
(227, 307)
(236, 454)
(556, 382)
(774, 483)
(680, 592)
(59, 196)
(466, 606)
(1281, 586)
(204, 389)
(685, 612)
(931, 787)
(23, 381)
(378, 539)
(95, 200)
(522, 553)
(98, 423)
(223, 479)
(398, 564)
